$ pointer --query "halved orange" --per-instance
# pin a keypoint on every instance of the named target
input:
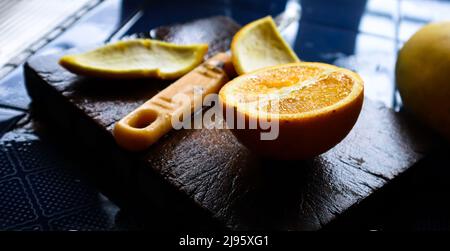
(315, 106)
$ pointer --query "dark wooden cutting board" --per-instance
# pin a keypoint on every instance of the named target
(208, 173)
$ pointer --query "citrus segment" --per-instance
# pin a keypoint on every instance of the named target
(137, 59)
(259, 44)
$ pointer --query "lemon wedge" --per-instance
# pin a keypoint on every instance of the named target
(139, 58)
(259, 44)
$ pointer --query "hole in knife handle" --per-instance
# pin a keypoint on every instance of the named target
(143, 118)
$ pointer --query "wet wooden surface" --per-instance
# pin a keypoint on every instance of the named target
(210, 171)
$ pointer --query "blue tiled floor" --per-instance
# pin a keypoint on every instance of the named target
(41, 189)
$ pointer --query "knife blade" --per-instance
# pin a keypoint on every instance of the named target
(283, 20)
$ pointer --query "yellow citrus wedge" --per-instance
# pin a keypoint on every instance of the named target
(138, 58)
(259, 44)
(313, 105)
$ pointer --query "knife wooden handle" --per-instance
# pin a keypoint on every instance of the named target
(152, 120)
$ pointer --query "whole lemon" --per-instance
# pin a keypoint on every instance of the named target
(423, 76)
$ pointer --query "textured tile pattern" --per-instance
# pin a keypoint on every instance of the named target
(40, 189)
